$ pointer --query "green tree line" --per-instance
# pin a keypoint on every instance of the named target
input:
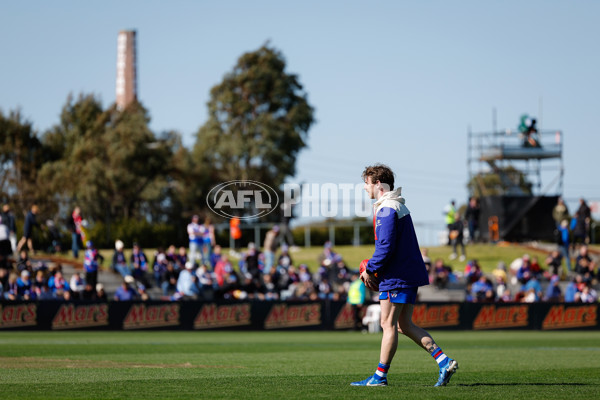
(135, 184)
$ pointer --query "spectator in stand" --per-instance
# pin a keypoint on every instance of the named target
(139, 265)
(564, 241)
(440, 274)
(9, 219)
(270, 289)
(75, 225)
(303, 274)
(356, 298)
(236, 233)
(327, 254)
(169, 279)
(205, 282)
(578, 231)
(427, 262)
(560, 212)
(181, 259)
(215, 257)
(89, 293)
(77, 285)
(500, 276)
(5, 246)
(532, 290)
(171, 254)
(251, 262)
(535, 267)
(207, 231)
(584, 265)
(160, 268)
(482, 290)
(38, 282)
(58, 284)
(92, 259)
(125, 292)
(11, 291)
(554, 262)
(30, 224)
(24, 262)
(450, 218)
(524, 273)
(100, 293)
(195, 237)
(457, 237)
(585, 215)
(24, 286)
(472, 217)
(285, 259)
(588, 294)
(472, 271)
(270, 246)
(187, 283)
(553, 291)
(119, 261)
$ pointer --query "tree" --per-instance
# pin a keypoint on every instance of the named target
(259, 119)
(108, 162)
(501, 181)
(20, 160)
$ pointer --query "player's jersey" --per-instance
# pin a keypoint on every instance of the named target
(397, 258)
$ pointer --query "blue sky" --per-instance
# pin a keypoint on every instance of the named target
(397, 82)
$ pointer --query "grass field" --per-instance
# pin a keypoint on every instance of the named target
(293, 365)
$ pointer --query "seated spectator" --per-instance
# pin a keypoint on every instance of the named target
(506, 296)
(181, 259)
(499, 274)
(77, 285)
(125, 292)
(524, 272)
(304, 274)
(100, 293)
(24, 263)
(187, 283)
(572, 290)
(119, 261)
(58, 284)
(588, 294)
(554, 262)
(139, 265)
(535, 267)
(440, 274)
(24, 286)
(270, 289)
(169, 279)
(215, 256)
(160, 268)
(472, 271)
(584, 265)
(553, 291)
(89, 293)
(532, 289)
(482, 290)
(327, 254)
(11, 291)
(171, 254)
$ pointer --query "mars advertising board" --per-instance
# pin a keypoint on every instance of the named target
(436, 315)
(570, 316)
(18, 315)
(71, 316)
(222, 316)
(292, 316)
(142, 316)
(497, 317)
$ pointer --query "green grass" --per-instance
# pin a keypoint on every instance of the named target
(293, 365)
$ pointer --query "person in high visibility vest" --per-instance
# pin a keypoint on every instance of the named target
(356, 298)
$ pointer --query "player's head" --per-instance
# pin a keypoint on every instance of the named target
(379, 175)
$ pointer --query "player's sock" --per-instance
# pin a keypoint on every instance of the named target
(440, 357)
(382, 370)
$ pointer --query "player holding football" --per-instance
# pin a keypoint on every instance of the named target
(397, 270)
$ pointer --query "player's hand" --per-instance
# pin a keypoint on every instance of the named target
(370, 282)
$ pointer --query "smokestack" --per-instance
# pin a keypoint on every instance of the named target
(126, 87)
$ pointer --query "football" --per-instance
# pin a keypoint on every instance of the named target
(363, 266)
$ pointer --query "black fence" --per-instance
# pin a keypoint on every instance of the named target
(257, 315)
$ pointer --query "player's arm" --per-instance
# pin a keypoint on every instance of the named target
(386, 230)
